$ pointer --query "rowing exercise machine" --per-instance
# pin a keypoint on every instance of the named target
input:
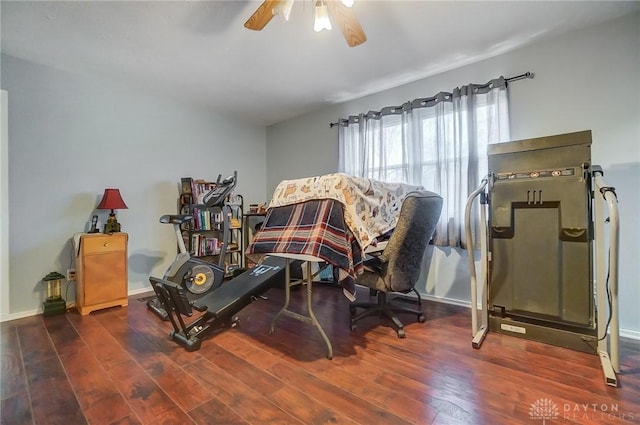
(219, 306)
(196, 276)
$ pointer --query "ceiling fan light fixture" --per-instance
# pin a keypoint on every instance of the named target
(283, 9)
(322, 21)
(340, 11)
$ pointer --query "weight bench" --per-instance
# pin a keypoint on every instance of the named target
(218, 307)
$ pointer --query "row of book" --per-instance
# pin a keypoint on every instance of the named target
(202, 245)
(207, 220)
(199, 188)
(193, 190)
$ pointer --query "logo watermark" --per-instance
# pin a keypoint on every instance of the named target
(546, 409)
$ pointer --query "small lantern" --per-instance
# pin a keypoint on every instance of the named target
(54, 304)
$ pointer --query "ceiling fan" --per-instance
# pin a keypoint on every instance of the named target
(339, 10)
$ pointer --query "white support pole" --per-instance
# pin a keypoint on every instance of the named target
(607, 277)
(182, 249)
(484, 265)
(478, 333)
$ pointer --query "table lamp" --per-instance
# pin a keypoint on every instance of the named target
(111, 200)
(54, 304)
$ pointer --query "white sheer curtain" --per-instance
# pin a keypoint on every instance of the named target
(438, 142)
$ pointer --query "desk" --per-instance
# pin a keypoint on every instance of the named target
(312, 231)
(328, 219)
(308, 281)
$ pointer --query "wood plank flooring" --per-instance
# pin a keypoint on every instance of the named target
(117, 366)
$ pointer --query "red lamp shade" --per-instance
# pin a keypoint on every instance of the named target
(111, 200)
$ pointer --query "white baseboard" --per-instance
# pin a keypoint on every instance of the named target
(141, 291)
(70, 304)
(21, 315)
(624, 333)
(445, 300)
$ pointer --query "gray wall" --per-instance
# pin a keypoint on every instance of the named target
(71, 136)
(4, 205)
(587, 79)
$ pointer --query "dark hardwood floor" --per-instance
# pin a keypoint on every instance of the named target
(117, 366)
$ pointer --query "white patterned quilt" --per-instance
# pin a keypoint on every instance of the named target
(371, 207)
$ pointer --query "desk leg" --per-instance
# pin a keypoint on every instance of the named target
(287, 296)
(314, 321)
(307, 319)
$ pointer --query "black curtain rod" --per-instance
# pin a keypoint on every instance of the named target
(519, 77)
(527, 74)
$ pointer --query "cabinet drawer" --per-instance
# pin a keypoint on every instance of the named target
(96, 245)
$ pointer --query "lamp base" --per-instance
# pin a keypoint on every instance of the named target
(54, 307)
(112, 225)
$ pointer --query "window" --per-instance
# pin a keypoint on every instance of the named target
(442, 147)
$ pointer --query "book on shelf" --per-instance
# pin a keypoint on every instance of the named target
(202, 245)
(206, 219)
(196, 189)
(204, 234)
(185, 185)
(185, 191)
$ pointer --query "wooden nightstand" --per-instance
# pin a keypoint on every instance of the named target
(101, 272)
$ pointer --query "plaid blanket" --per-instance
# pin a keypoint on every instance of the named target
(371, 207)
(316, 228)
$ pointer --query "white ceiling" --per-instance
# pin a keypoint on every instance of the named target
(200, 51)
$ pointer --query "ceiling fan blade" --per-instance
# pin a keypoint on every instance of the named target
(346, 20)
(262, 15)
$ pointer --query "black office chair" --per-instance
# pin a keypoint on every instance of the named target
(398, 266)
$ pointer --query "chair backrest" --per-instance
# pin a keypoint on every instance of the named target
(403, 254)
